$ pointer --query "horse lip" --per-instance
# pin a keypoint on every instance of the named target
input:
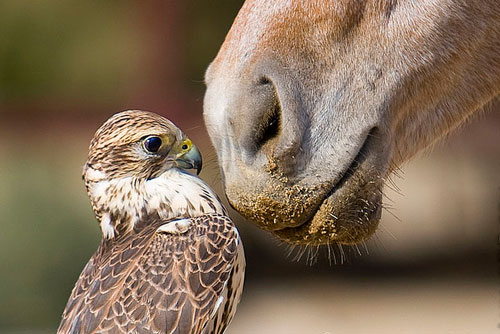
(345, 176)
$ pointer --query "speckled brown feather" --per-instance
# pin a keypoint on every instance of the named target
(151, 282)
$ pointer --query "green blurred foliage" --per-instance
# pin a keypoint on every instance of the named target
(48, 231)
(205, 32)
(64, 49)
(68, 49)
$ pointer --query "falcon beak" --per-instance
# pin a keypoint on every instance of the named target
(190, 160)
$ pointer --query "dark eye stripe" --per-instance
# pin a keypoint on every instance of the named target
(152, 144)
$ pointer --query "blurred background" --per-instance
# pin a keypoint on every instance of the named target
(66, 66)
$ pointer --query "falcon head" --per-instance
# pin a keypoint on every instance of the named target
(133, 170)
(138, 144)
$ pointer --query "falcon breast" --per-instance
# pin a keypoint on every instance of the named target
(171, 260)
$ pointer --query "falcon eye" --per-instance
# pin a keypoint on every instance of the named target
(185, 147)
(152, 144)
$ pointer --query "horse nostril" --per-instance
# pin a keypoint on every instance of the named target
(264, 81)
(269, 127)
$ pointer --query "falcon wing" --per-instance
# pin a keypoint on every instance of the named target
(155, 282)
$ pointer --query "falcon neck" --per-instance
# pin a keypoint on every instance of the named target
(122, 204)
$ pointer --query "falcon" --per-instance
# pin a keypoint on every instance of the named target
(170, 261)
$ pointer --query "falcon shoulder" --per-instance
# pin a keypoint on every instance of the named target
(152, 282)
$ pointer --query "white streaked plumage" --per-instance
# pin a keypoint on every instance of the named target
(167, 194)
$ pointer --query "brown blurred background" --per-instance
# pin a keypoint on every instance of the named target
(66, 66)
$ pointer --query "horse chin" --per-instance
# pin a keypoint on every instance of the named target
(348, 215)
